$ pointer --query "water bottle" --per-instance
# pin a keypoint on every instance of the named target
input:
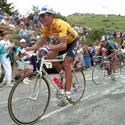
(57, 82)
(108, 66)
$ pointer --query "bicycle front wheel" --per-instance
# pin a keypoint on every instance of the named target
(28, 102)
(98, 74)
(78, 85)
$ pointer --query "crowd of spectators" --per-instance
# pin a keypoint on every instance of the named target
(9, 51)
(32, 20)
(86, 54)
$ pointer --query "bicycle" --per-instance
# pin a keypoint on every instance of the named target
(38, 91)
(104, 67)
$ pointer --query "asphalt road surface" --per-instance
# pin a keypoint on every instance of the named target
(101, 105)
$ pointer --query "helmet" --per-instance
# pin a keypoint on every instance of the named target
(46, 10)
(104, 38)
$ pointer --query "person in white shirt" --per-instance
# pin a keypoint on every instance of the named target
(5, 47)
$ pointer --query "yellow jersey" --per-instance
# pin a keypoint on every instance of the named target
(60, 28)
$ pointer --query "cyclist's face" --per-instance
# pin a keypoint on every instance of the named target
(104, 43)
(45, 19)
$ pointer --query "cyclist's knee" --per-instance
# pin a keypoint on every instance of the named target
(67, 65)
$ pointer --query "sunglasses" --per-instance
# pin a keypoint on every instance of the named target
(43, 15)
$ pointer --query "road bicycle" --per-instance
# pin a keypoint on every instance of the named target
(28, 103)
(104, 68)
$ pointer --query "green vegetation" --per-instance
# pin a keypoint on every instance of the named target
(112, 22)
(7, 7)
(58, 15)
(98, 23)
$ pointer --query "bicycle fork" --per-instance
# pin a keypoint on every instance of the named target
(35, 91)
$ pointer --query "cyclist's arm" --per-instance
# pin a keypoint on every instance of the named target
(112, 54)
(60, 46)
(37, 46)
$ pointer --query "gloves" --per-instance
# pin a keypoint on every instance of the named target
(44, 50)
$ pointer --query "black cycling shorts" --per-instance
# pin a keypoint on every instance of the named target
(71, 49)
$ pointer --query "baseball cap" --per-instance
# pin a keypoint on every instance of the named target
(46, 10)
(22, 41)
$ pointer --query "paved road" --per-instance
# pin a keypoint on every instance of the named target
(101, 105)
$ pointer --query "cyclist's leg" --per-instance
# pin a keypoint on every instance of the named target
(114, 66)
(57, 65)
(67, 64)
(67, 67)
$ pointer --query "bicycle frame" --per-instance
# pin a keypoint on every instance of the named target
(42, 71)
(107, 63)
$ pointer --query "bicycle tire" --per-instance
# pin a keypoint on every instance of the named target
(17, 86)
(78, 87)
(100, 72)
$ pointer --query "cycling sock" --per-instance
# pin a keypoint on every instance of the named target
(68, 94)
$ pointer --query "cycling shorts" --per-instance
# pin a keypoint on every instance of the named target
(71, 49)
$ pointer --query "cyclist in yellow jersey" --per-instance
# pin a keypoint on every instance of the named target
(60, 28)
(67, 43)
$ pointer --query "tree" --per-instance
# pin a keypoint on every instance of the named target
(7, 7)
(95, 34)
(35, 9)
(58, 15)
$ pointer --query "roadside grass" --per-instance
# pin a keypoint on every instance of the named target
(112, 22)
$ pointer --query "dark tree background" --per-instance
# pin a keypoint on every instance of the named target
(7, 7)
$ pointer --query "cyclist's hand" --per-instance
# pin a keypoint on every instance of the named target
(44, 50)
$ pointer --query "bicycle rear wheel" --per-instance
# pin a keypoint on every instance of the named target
(78, 85)
(98, 74)
(28, 102)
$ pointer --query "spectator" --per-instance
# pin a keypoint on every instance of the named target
(5, 47)
(93, 53)
(77, 62)
(80, 53)
(35, 20)
(34, 61)
(30, 20)
(1, 14)
(24, 33)
(31, 33)
(23, 63)
(86, 57)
